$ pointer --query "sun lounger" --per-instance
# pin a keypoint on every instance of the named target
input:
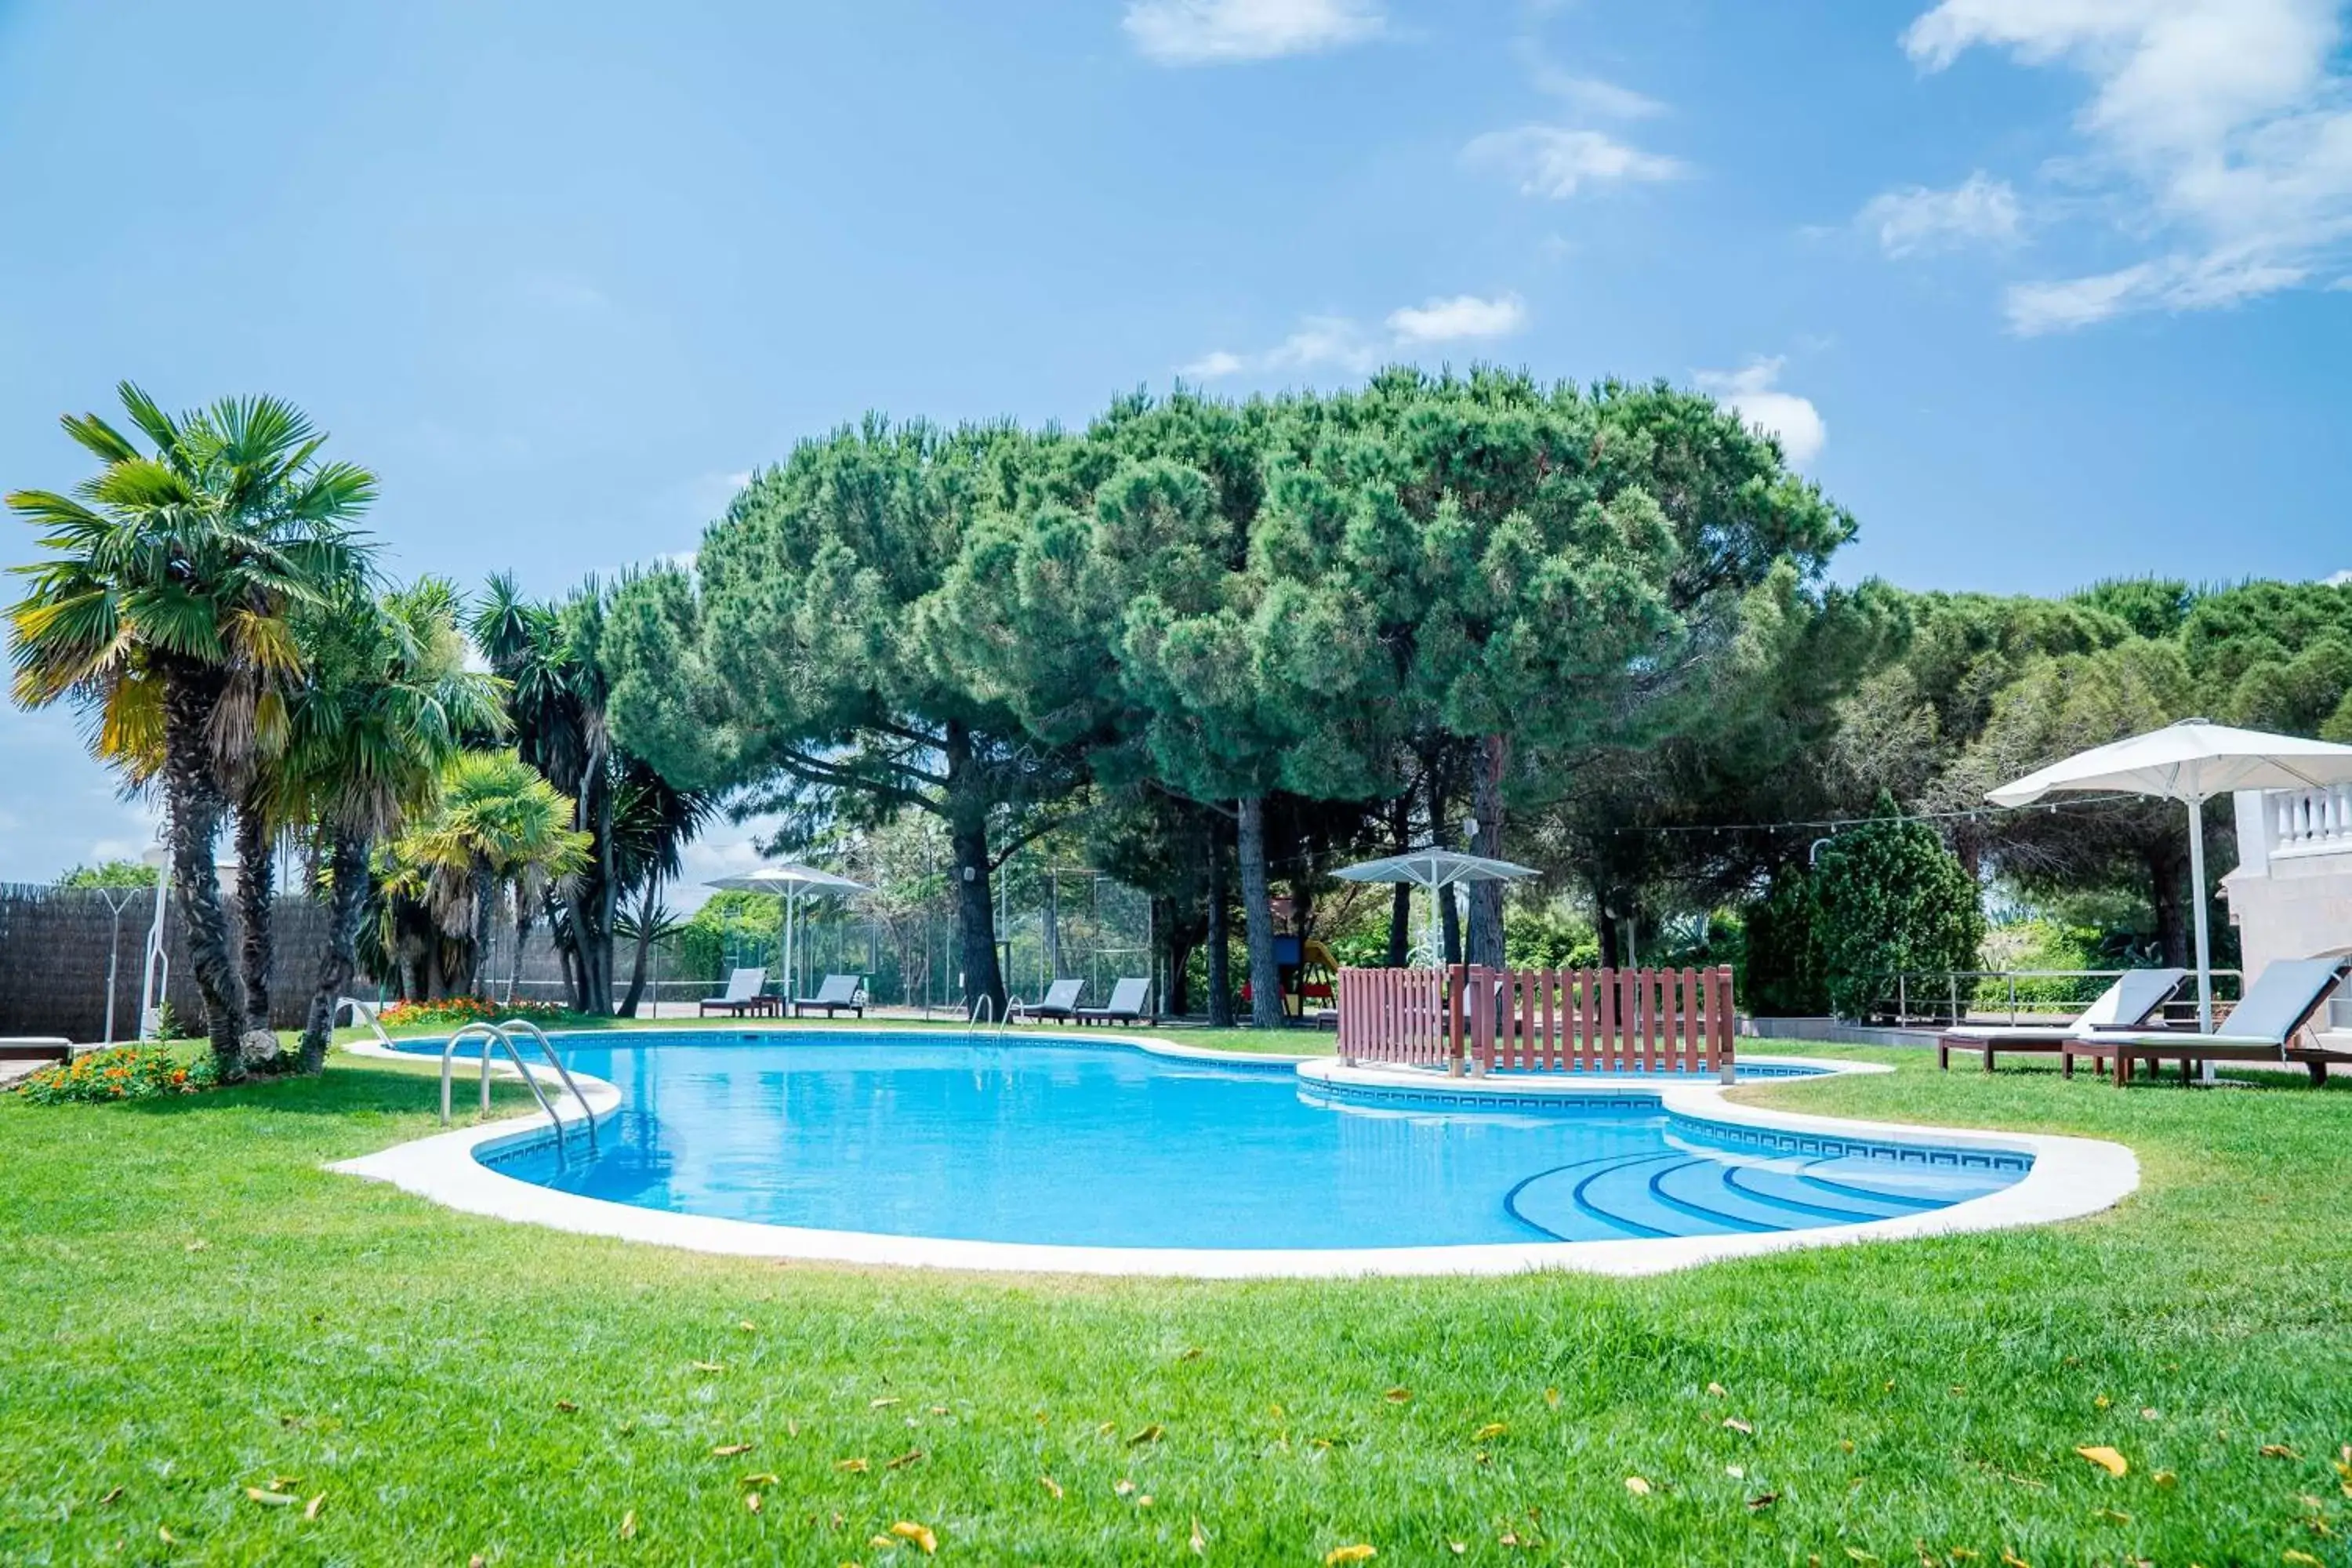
(742, 995)
(2134, 998)
(34, 1048)
(1061, 1003)
(1126, 1003)
(2262, 1028)
(839, 991)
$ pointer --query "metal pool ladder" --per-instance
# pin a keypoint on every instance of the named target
(496, 1034)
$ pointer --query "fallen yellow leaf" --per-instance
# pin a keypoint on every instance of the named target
(884, 1403)
(165, 1532)
(710, 1366)
(907, 1530)
(1144, 1501)
(751, 1502)
(2165, 1479)
(1152, 1434)
(1199, 1541)
(852, 1467)
(911, 1456)
(1491, 1429)
(1736, 1424)
(284, 1483)
(1719, 1391)
(567, 1406)
(1123, 1487)
(1637, 1486)
(629, 1525)
(748, 1326)
(1551, 1397)
(1339, 1555)
(1051, 1484)
(2303, 1559)
(2107, 1458)
(1192, 1353)
(1398, 1395)
(2279, 1451)
(2111, 1516)
(728, 1450)
(2012, 1560)
(110, 1497)
(271, 1500)
(1761, 1501)
(761, 1478)
(1859, 1555)
(311, 1509)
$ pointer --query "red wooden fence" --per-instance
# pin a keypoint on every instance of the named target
(1556, 1020)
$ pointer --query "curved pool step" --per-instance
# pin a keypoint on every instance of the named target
(1683, 1192)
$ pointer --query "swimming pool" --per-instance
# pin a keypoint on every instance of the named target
(1097, 1145)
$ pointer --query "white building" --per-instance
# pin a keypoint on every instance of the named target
(2291, 896)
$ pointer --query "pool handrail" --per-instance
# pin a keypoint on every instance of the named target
(491, 1033)
(361, 1012)
(587, 1111)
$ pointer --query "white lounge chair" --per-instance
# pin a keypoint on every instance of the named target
(839, 991)
(1061, 1003)
(2261, 1029)
(2136, 997)
(743, 995)
(1128, 999)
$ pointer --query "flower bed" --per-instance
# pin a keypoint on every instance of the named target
(452, 1011)
(125, 1073)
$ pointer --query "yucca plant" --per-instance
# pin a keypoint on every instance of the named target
(162, 606)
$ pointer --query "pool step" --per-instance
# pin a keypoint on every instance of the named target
(1681, 1193)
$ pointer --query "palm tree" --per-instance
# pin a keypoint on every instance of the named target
(162, 608)
(498, 824)
(652, 824)
(388, 703)
(548, 654)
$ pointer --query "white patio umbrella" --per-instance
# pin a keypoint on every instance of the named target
(789, 879)
(1437, 871)
(2190, 761)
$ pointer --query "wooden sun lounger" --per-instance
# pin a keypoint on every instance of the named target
(2264, 1027)
(2137, 996)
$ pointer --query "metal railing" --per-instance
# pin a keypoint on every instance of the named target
(496, 1034)
(1946, 998)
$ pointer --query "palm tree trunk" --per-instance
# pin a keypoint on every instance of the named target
(194, 801)
(346, 902)
(1257, 917)
(256, 893)
(646, 908)
(485, 900)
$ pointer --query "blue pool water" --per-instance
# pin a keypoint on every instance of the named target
(1097, 1145)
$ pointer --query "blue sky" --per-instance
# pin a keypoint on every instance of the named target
(2041, 289)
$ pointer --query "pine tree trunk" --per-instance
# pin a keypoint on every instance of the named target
(257, 897)
(193, 800)
(1400, 895)
(1486, 807)
(1220, 940)
(346, 901)
(1449, 915)
(1257, 917)
(967, 805)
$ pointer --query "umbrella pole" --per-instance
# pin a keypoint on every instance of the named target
(792, 940)
(1436, 928)
(2204, 937)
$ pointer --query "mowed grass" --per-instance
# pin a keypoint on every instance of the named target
(191, 1306)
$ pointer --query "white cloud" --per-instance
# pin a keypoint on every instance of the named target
(1212, 32)
(1464, 316)
(2337, 579)
(1555, 162)
(2217, 129)
(1754, 393)
(1981, 209)
(1343, 343)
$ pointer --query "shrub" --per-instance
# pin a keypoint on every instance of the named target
(1782, 977)
(124, 1072)
(1888, 898)
(456, 1010)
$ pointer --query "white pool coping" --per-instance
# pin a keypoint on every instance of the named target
(2070, 1177)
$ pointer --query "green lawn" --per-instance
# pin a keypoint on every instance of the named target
(190, 1307)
